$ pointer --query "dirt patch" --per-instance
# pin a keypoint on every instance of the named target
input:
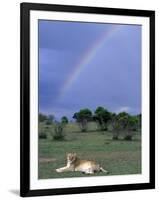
(46, 160)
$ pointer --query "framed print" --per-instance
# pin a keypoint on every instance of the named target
(87, 99)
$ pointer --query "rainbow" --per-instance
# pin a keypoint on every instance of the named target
(86, 58)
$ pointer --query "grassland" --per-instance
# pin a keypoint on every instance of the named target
(118, 157)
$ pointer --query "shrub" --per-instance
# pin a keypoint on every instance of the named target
(42, 135)
(128, 137)
(58, 137)
(42, 131)
(115, 137)
(58, 131)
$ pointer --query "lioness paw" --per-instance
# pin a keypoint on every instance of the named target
(58, 170)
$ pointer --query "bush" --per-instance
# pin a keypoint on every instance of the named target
(128, 137)
(48, 122)
(58, 137)
(115, 137)
(42, 135)
(58, 131)
(43, 131)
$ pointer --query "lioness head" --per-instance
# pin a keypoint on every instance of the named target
(71, 157)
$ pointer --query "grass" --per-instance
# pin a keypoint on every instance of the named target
(118, 157)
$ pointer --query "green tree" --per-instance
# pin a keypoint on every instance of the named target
(50, 119)
(139, 117)
(64, 120)
(42, 131)
(102, 117)
(119, 123)
(132, 124)
(82, 117)
(123, 118)
(125, 123)
(115, 126)
(42, 117)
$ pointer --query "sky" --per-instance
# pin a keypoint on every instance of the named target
(86, 65)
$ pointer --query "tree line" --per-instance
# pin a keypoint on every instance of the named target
(118, 123)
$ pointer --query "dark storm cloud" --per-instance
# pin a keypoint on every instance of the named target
(111, 79)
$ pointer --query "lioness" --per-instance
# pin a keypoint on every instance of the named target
(76, 164)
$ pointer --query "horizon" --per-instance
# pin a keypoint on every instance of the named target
(93, 111)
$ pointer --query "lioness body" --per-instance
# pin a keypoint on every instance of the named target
(76, 164)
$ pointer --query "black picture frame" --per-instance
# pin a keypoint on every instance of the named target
(25, 9)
